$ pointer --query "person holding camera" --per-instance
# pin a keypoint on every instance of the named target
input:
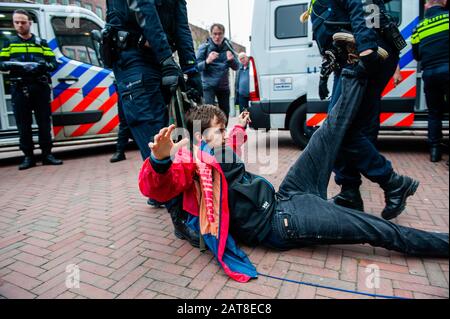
(215, 57)
(30, 87)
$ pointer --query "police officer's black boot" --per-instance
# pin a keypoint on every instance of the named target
(435, 153)
(396, 192)
(28, 162)
(49, 159)
(182, 230)
(117, 157)
(349, 197)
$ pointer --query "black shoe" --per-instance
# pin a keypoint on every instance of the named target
(28, 162)
(182, 230)
(435, 153)
(396, 192)
(51, 160)
(350, 198)
(117, 157)
(154, 204)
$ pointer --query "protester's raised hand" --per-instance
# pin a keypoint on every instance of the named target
(244, 119)
(163, 146)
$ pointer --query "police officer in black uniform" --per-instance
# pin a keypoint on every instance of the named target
(30, 87)
(430, 42)
(144, 35)
(366, 25)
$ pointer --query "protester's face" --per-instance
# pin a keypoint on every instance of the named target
(244, 60)
(217, 36)
(21, 24)
(216, 135)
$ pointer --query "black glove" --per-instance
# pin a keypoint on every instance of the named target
(371, 63)
(323, 88)
(3, 67)
(195, 87)
(171, 73)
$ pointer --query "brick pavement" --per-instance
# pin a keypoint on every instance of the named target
(90, 213)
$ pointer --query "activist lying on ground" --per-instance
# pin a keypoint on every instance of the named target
(222, 197)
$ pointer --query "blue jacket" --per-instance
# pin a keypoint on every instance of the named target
(352, 12)
(163, 23)
(215, 75)
(243, 81)
(430, 38)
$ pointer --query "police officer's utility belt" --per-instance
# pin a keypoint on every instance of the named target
(115, 41)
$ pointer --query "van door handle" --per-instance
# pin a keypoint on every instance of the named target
(68, 80)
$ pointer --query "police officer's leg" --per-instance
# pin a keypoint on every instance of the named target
(346, 175)
(23, 115)
(143, 104)
(311, 173)
(123, 135)
(435, 98)
(40, 95)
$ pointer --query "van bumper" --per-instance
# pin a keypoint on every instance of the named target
(260, 116)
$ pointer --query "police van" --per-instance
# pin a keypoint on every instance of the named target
(285, 72)
(84, 99)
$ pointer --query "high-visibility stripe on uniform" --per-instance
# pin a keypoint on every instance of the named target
(5, 53)
(16, 50)
(430, 27)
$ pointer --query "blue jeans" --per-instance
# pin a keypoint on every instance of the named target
(436, 82)
(143, 103)
(359, 154)
(304, 217)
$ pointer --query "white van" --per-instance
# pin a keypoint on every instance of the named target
(285, 72)
(84, 103)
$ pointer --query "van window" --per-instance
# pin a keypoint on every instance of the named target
(287, 22)
(76, 43)
(394, 9)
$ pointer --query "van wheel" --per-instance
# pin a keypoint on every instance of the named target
(297, 127)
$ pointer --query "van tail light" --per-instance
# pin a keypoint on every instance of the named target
(254, 84)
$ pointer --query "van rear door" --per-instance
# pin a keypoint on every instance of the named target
(292, 60)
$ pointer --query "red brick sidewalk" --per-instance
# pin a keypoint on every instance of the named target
(90, 213)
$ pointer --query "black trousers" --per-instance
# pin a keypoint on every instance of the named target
(436, 82)
(26, 98)
(124, 133)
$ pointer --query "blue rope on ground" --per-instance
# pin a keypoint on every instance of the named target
(332, 288)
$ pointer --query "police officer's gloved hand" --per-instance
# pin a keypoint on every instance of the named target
(171, 73)
(323, 88)
(3, 67)
(195, 87)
